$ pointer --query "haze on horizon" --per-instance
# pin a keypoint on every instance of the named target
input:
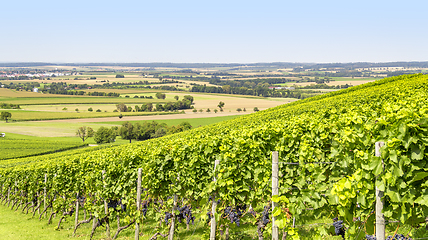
(213, 31)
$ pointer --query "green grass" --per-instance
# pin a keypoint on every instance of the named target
(17, 225)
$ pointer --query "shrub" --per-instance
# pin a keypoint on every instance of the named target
(105, 135)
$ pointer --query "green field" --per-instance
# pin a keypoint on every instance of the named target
(12, 147)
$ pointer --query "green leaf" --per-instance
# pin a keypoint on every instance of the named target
(380, 185)
(393, 156)
(417, 152)
(276, 212)
(419, 176)
(362, 200)
(280, 223)
(379, 168)
(423, 200)
(275, 198)
(394, 196)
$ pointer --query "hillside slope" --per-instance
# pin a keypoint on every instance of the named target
(340, 128)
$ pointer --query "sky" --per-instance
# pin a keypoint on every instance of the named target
(207, 31)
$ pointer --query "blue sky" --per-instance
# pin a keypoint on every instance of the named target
(214, 31)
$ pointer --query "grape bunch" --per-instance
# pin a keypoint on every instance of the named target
(81, 201)
(209, 214)
(338, 228)
(234, 214)
(114, 203)
(167, 217)
(145, 206)
(265, 215)
(396, 237)
(185, 213)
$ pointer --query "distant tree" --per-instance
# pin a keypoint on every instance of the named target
(90, 109)
(120, 116)
(129, 109)
(149, 107)
(256, 109)
(84, 133)
(221, 109)
(6, 115)
(176, 98)
(120, 76)
(208, 110)
(201, 110)
(185, 125)
(127, 131)
(239, 110)
(65, 109)
(195, 111)
(122, 107)
(215, 110)
(188, 98)
(244, 110)
(105, 135)
(220, 105)
(77, 110)
(159, 107)
(98, 110)
(160, 132)
(160, 95)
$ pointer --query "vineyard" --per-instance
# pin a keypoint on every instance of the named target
(17, 148)
(327, 168)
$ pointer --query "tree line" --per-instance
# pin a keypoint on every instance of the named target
(129, 131)
(258, 91)
(185, 103)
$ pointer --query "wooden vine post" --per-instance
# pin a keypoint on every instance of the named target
(8, 193)
(380, 218)
(106, 210)
(137, 226)
(44, 194)
(213, 222)
(174, 205)
(76, 218)
(275, 191)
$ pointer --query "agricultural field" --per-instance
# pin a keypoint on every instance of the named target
(326, 146)
(67, 128)
(11, 147)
